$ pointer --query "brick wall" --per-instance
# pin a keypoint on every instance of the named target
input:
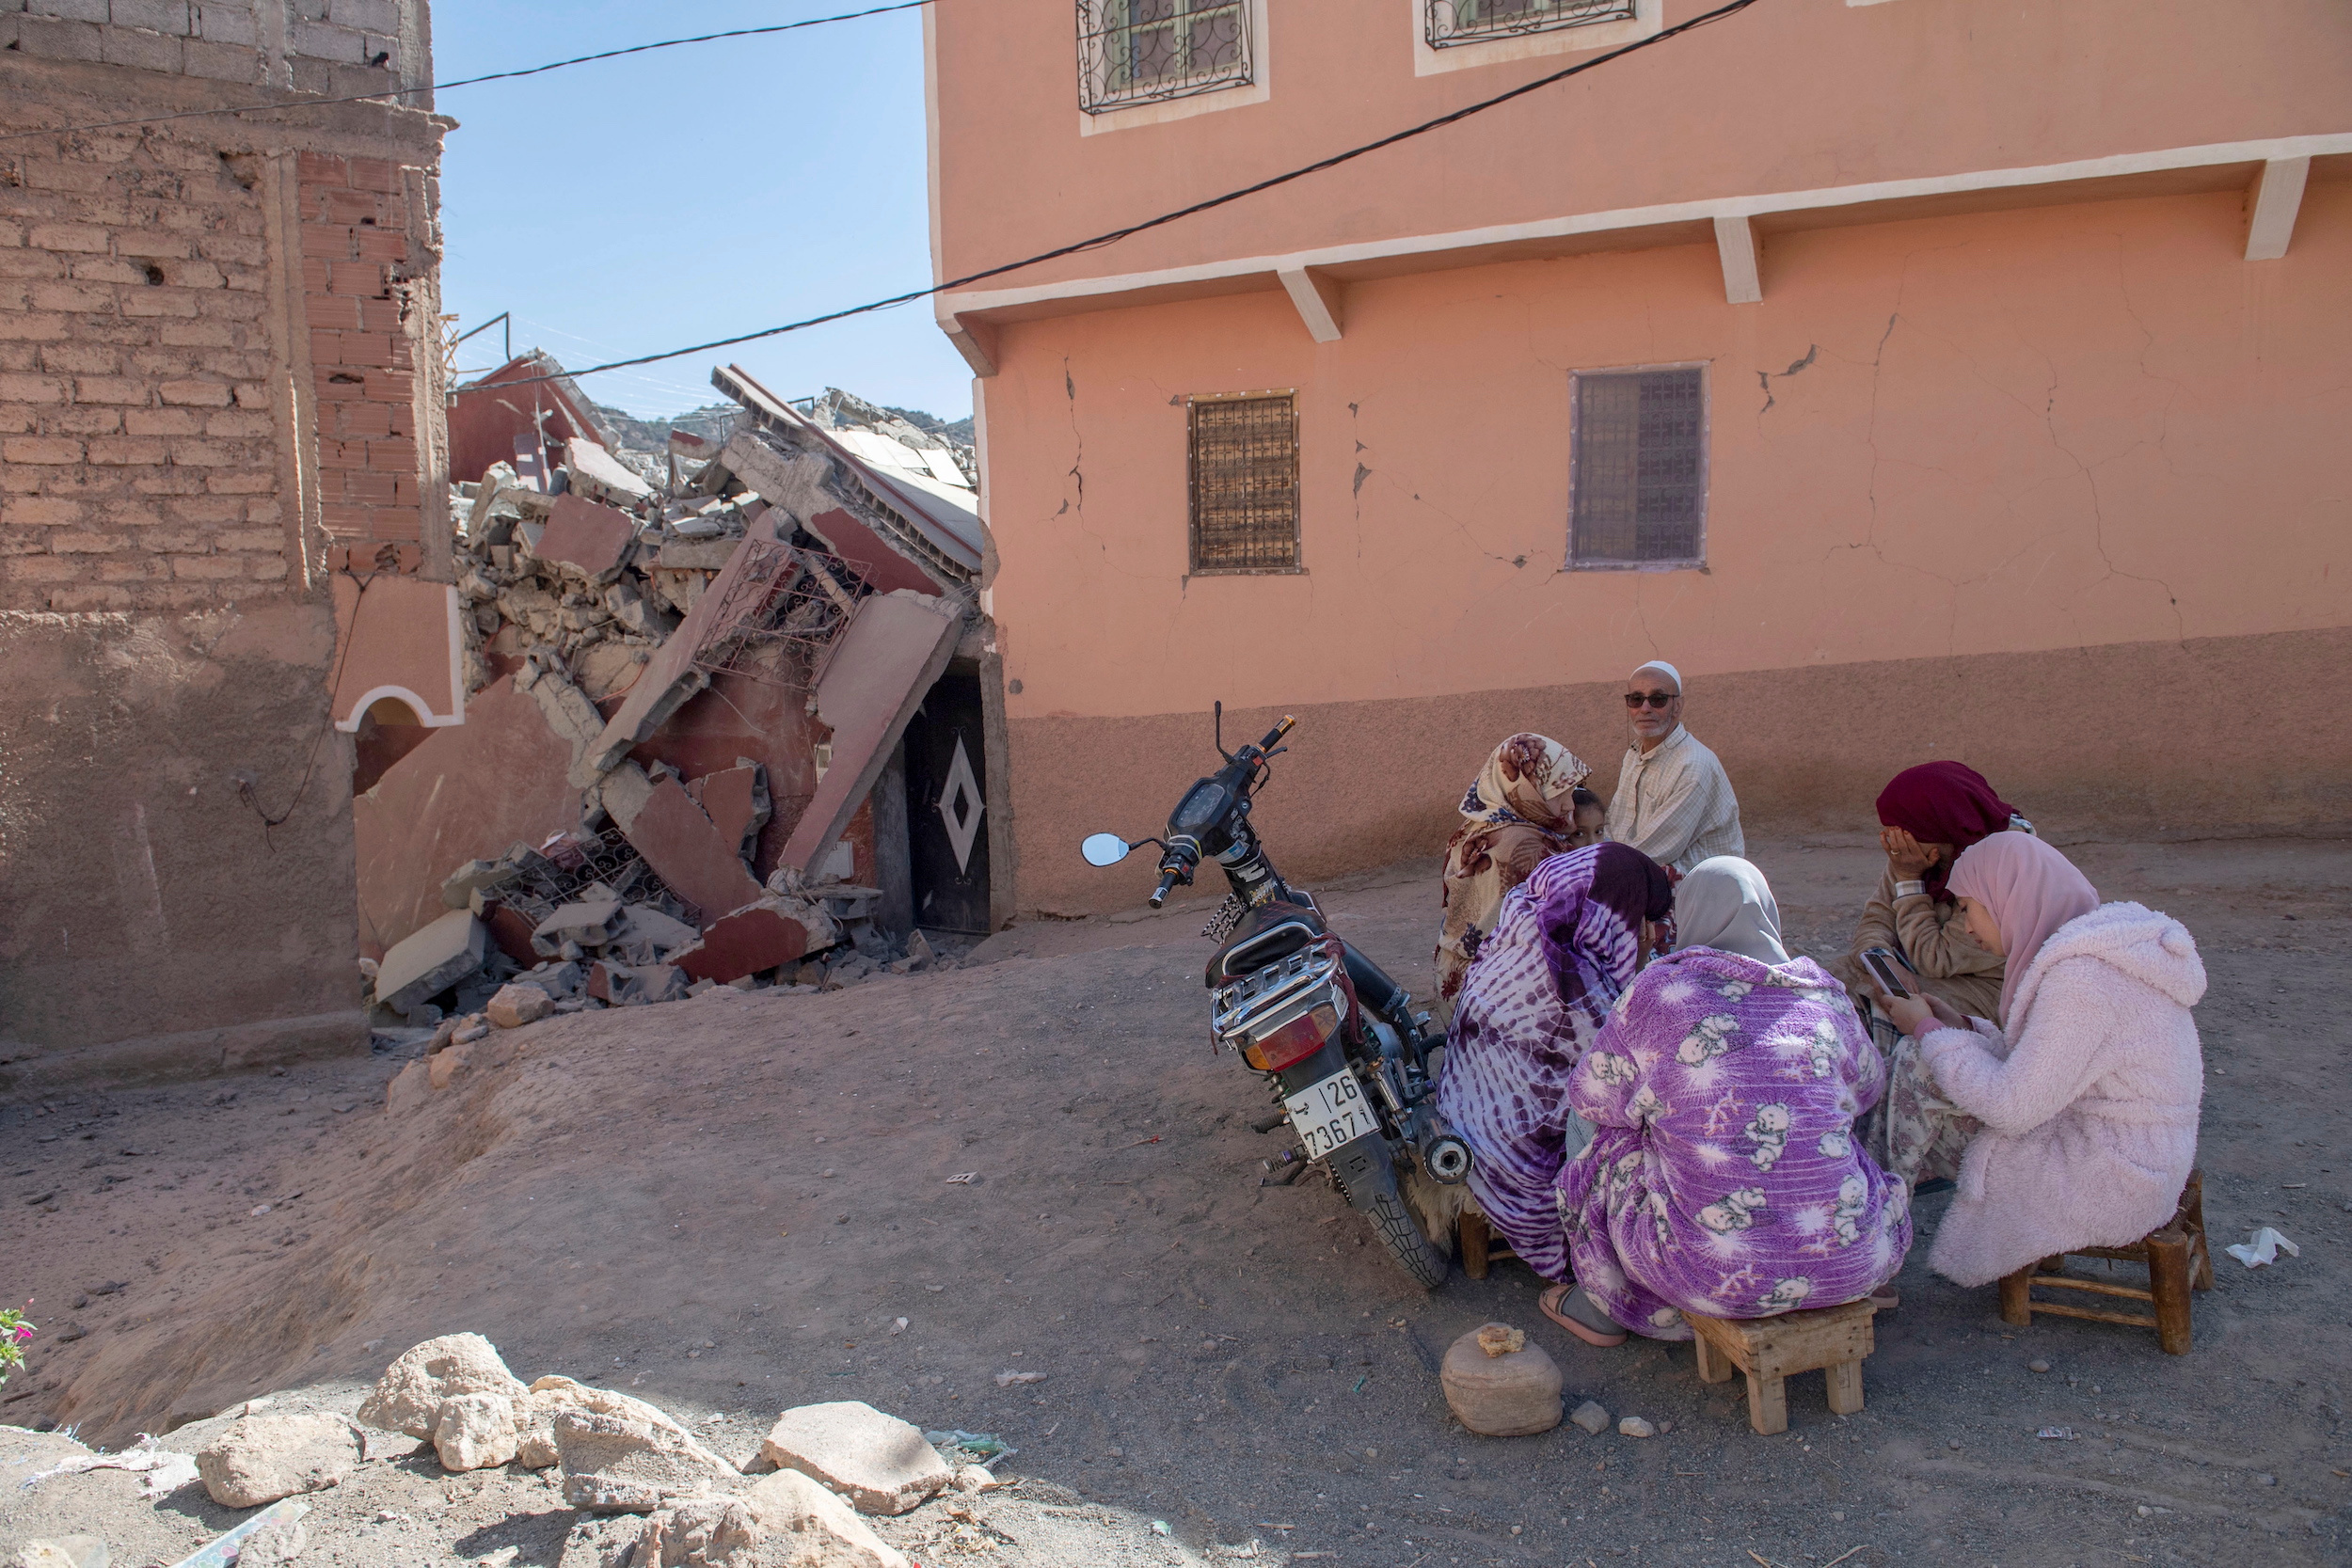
(320, 46)
(139, 466)
(362, 312)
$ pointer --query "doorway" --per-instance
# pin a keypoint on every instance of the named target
(947, 802)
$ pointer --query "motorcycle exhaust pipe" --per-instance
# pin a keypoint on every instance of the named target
(1445, 1157)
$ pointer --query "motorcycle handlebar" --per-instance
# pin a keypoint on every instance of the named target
(1167, 880)
(1278, 731)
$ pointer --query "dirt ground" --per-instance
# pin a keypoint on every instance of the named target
(723, 1205)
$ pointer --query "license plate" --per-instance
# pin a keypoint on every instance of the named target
(1330, 1112)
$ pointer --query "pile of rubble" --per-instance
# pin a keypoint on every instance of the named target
(647, 1491)
(820, 558)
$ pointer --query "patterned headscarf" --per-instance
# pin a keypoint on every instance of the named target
(2029, 889)
(1943, 802)
(1590, 905)
(1530, 779)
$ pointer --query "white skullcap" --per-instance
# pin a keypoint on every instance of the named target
(1659, 664)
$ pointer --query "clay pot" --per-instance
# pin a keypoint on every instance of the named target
(1516, 1393)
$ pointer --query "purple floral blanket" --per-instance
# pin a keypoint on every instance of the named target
(1725, 1178)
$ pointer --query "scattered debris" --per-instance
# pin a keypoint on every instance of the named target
(2262, 1248)
(164, 1470)
(1591, 1417)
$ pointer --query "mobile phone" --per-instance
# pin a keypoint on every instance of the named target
(1882, 965)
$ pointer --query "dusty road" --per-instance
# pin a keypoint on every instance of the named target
(723, 1205)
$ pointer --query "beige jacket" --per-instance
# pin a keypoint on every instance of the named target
(1952, 966)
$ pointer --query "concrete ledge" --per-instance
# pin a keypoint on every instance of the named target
(193, 1054)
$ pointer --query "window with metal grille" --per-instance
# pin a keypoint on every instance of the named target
(1452, 21)
(1244, 482)
(1637, 470)
(1148, 51)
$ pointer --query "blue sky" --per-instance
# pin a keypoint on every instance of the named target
(634, 205)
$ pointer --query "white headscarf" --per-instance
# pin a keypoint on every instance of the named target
(1726, 904)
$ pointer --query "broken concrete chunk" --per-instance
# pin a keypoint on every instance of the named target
(598, 476)
(516, 1004)
(589, 540)
(409, 1397)
(62, 1551)
(476, 879)
(720, 1533)
(737, 802)
(812, 1526)
(620, 1464)
(427, 962)
(474, 1431)
(880, 1462)
(775, 930)
(697, 555)
(661, 934)
(262, 1458)
(687, 850)
(586, 923)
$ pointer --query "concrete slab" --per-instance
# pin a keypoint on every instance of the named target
(689, 853)
(593, 539)
(895, 648)
(470, 790)
(429, 961)
(745, 943)
(735, 801)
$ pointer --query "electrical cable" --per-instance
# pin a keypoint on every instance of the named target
(1115, 235)
(473, 81)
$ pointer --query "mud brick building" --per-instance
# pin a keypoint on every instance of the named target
(219, 400)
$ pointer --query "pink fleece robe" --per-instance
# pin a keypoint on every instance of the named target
(2088, 1100)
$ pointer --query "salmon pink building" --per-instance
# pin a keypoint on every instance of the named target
(1925, 378)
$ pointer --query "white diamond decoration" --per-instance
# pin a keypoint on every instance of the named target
(960, 806)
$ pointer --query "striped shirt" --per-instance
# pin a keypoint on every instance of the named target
(1675, 805)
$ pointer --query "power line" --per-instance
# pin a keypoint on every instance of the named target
(474, 81)
(1115, 235)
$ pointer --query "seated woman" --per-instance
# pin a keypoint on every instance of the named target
(1724, 1177)
(1566, 944)
(2088, 1092)
(1524, 806)
(1928, 816)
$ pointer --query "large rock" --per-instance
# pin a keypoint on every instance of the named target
(620, 1464)
(63, 1551)
(409, 1397)
(1514, 1394)
(426, 962)
(517, 1004)
(787, 1520)
(808, 1527)
(475, 1432)
(878, 1461)
(262, 1458)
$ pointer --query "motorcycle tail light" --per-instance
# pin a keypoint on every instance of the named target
(1301, 1038)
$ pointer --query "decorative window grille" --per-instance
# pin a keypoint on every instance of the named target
(1637, 479)
(1452, 21)
(1148, 51)
(1244, 482)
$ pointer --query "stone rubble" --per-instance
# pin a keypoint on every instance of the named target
(881, 1464)
(262, 1458)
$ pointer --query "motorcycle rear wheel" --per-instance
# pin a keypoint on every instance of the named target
(1400, 1232)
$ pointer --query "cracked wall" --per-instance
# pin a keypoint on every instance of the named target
(1987, 487)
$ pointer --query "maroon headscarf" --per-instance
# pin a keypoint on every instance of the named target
(1944, 803)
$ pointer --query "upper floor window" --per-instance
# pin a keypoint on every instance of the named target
(1150, 50)
(1458, 21)
(1244, 471)
(1637, 468)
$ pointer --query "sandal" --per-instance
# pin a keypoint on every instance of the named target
(1549, 1305)
(1885, 1299)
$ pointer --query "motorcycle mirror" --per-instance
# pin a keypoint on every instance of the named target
(1104, 848)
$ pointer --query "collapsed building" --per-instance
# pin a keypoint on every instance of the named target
(721, 710)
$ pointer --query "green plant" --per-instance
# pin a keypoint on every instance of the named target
(15, 1331)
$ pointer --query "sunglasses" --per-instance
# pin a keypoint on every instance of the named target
(1654, 699)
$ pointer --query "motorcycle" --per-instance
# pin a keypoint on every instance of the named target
(1335, 1040)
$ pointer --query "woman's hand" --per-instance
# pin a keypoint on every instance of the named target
(1950, 1016)
(1905, 856)
(1911, 1014)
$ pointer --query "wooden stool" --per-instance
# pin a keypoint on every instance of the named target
(2174, 1254)
(1478, 1244)
(1834, 1338)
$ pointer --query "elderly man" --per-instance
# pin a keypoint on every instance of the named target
(1672, 801)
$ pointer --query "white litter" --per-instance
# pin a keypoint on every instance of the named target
(2061, 1435)
(1006, 1380)
(166, 1472)
(2263, 1248)
(964, 1179)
